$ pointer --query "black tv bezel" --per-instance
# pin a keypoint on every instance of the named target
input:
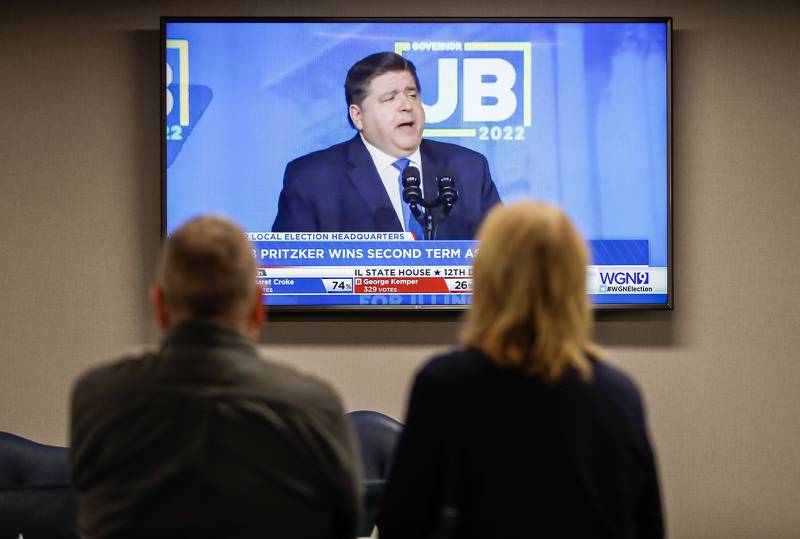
(668, 306)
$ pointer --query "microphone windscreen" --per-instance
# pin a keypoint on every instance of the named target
(412, 192)
(447, 189)
(411, 176)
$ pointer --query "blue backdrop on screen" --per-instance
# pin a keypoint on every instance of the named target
(574, 113)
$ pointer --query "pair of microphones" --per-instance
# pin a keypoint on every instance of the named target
(412, 195)
(412, 192)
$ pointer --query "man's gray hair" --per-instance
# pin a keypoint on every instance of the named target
(207, 269)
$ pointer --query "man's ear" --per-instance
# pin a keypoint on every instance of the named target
(257, 316)
(159, 306)
(355, 115)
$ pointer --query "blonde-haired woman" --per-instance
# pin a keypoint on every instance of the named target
(524, 432)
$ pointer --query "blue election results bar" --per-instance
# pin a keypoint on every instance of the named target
(324, 273)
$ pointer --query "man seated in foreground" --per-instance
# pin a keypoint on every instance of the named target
(204, 438)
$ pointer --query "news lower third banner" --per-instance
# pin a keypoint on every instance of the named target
(320, 268)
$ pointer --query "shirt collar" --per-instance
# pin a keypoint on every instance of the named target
(206, 332)
(383, 160)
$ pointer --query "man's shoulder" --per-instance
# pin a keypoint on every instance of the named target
(286, 383)
(260, 378)
(115, 376)
(322, 158)
(449, 149)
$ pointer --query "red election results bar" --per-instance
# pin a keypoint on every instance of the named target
(411, 285)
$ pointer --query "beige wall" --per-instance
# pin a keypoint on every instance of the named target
(79, 229)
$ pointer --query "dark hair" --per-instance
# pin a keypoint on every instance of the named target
(361, 74)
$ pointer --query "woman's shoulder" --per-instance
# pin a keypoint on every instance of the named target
(464, 364)
(618, 388)
(608, 377)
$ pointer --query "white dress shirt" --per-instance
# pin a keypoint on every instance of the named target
(384, 163)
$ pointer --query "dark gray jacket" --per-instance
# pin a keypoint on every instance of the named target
(206, 439)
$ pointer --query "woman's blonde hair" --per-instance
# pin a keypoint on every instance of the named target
(530, 307)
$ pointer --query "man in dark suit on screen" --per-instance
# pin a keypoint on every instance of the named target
(356, 186)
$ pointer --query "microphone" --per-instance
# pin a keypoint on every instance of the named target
(412, 192)
(447, 191)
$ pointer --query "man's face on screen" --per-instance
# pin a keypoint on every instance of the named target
(391, 116)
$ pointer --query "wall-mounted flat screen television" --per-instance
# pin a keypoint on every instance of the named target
(361, 155)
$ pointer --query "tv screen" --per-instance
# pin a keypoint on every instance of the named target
(361, 155)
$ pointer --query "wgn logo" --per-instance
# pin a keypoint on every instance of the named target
(624, 281)
(181, 117)
(624, 277)
(495, 87)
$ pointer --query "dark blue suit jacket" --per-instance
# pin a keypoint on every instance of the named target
(339, 190)
(528, 458)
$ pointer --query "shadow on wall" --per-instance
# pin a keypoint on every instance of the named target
(143, 48)
(611, 329)
(635, 328)
(376, 328)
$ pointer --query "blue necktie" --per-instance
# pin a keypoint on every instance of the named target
(411, 224)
